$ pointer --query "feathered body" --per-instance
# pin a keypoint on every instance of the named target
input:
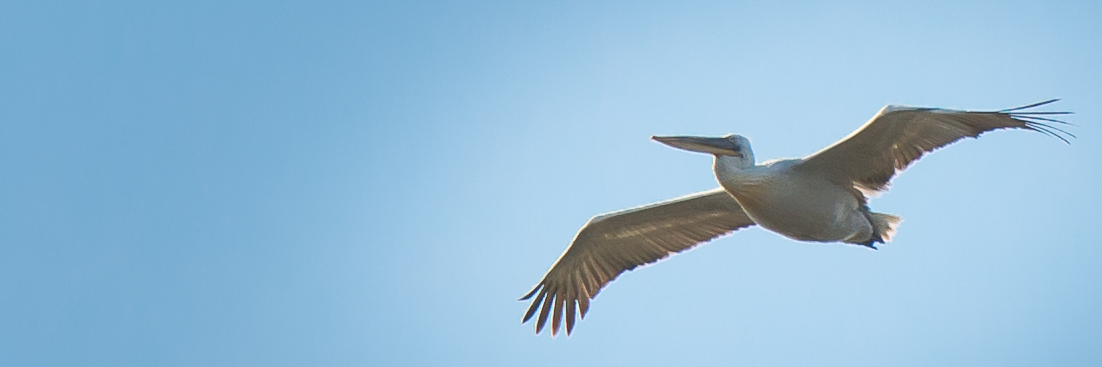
(820, 198)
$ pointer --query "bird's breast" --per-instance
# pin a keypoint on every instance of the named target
(796, 206)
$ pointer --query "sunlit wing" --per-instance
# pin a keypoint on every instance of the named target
(868, 158)
(613, 243)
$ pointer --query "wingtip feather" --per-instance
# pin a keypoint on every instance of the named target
(533, 307)
(543, 313)
(570, 310)
(1030, 105)
(529, 295)
(556, 318)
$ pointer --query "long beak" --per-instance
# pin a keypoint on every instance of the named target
(717, 146)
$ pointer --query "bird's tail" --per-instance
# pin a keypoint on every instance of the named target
(884, 225)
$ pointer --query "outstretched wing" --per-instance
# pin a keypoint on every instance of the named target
(613, 243)
(868, 158)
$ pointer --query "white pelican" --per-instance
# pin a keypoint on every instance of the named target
(820, 198)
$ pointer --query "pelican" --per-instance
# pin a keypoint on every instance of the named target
(819, 198)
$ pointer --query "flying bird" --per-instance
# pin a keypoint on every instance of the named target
(819, 198)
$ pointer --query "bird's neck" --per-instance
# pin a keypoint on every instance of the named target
(730, 168)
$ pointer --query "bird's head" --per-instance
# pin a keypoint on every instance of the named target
(729, 145)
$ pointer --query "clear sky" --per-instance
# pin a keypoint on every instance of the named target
(222, 183)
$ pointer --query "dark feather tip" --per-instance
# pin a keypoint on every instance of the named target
(1030, 105)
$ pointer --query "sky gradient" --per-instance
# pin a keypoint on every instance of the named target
(224, 183)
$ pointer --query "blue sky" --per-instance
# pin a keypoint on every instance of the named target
(374, 183)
